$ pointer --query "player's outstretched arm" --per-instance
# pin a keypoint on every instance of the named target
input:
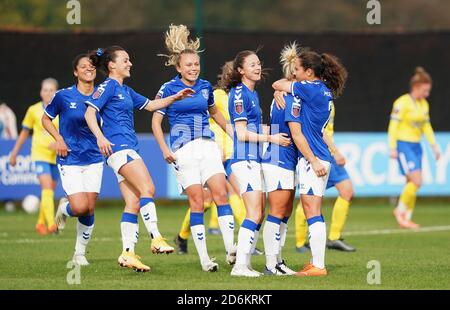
(245, 135)
(282, 85)
(23, 136)
(303, 146)
(162, 103)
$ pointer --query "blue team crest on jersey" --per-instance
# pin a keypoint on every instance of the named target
(296, 106)
(205, 94)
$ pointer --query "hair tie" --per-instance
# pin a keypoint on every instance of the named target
(99, 52)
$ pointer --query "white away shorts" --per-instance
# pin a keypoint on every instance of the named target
(81, 179)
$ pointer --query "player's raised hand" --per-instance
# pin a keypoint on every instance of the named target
(61, 147)
(105, 146)
(169, 157)
(319, 168)
(279, 99)
(187, 92)
(280, 139)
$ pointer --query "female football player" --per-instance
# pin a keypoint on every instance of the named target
(193, 154)
(410, 119)
(322, 78)
(43, 155)
(80, 162)
(117, 140)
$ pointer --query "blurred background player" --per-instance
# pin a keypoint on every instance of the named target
(43, 155)
(226, 145)
(338, 178)
(322, 78)
(80, 162)
(246, 118)
(410, 118)
(8, 131)
(278, 166)
(194, 156)
(115, 103)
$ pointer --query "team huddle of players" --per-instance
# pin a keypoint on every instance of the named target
(219, 149)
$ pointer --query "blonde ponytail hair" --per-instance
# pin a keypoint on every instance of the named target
(288, 57)
(177, 43)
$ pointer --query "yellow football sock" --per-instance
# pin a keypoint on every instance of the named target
(301, 226)
(185, 230)
(338, 218)
(41, 216)
(409, 196)
(214, 219)
(48, 206)
(238, 207)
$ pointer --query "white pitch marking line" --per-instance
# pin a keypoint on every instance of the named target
(396, 231)
(349, 233)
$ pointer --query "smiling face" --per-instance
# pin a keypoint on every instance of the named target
(300, 73)
(189, 67)
(121, 65)
(251, 68)
(85, 71)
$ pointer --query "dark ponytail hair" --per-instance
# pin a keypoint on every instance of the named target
(326, 67)
(235, 78)
(100, 57)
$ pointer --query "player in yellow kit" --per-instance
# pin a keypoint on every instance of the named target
(43, 154)
(226, 145)
(340, 179)
(409, 120)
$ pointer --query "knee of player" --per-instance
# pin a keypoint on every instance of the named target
(220, 197)
(147, 191)
(196, 203)
(347, 194)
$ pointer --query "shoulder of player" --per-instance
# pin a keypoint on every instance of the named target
(403, 100)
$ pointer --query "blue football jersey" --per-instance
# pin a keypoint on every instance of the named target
(243, 105)
(116, 103)
(69, 104)
(189, 117)
(282, 156)
(316, 104)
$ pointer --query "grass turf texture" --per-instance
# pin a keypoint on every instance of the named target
(410, 260)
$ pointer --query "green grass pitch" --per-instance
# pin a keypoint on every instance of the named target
(408, 260)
